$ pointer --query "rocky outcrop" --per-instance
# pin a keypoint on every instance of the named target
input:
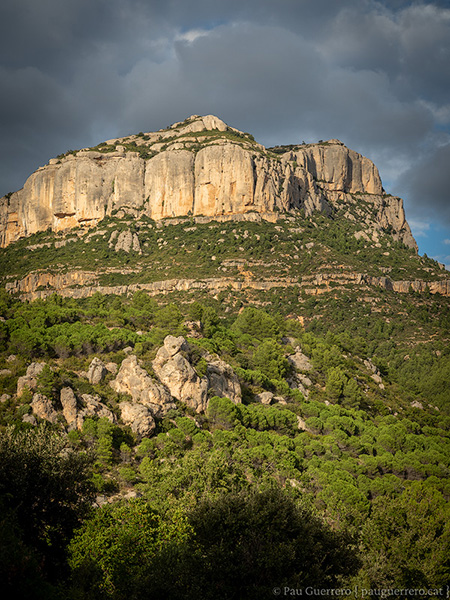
(76, 411)
(223, 381)
(69, 407)
(97, 371)
(92, 406)
(200, 168)
(29, 380)
(313, 285)
(43, 408)
(126, 241)
(133, 380)
(176, 372)
(300, 382)
(337, 167)
(299, 361)
(149, 398)
(58, 281)
(138, 417)
(301, 364)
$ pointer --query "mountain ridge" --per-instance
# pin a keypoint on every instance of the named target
(199, 167)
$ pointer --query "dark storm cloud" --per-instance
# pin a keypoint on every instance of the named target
(58, 35)
(431, 181)
(412, 47)
(372, 73)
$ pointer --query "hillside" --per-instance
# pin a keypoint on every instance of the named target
(222, 393)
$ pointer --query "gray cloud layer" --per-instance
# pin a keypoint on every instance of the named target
(374, 74)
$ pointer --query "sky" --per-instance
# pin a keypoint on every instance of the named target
(373, 73)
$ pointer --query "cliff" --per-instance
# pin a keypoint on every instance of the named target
(200, 167)
(81, 284)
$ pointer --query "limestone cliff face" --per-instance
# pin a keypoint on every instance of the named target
(169, 184)
(339, 168)
(198, 167)
(320, 283)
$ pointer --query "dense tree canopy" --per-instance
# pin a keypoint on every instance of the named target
(340, 477)
(45, 492)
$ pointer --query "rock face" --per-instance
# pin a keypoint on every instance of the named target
(26, 287)
(132, 379)
(338, 168)
(176, 372)
(125, 241)
(43, 408)
(97, 371)
(138, 417)
(69, 407)
(174, 369)
(223, 381)
(29, 380)
(198, 167)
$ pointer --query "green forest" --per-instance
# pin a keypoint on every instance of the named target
(339, 483)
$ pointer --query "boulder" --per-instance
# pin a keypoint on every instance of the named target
(97, 371)
(301, 423)
(299, 361)
(176, 372)
(127, 241)
(112, 367)
(265, 397)
(43, 408)
(223, 381)
(138, 417)
(69, 406)
(31, 419)
(29, 380)
(91, 406)
(133, 380)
